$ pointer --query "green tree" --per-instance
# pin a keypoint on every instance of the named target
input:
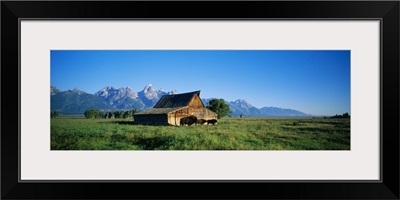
(220, 107)
(117, 114)
(100, 114)
(127, 114)
(122, 114)
(345, 115)
(109, 114)
(91, 113)
(54, 114)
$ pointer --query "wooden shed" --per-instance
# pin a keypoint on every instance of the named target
(171, 108)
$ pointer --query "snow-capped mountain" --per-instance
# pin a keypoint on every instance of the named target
(242, 107)
(242, 104)
(122, 98)
(127, 98)
(238, 107)
(110, 98)
(54, 90)
(149, 92)
(78, 91)
(172, 92)
(113, 93)
(274, 111)
(149, 96)
(75, 101)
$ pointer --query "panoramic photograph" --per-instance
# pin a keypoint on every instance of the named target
(200, 99)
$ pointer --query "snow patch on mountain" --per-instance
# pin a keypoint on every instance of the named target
(149, 92)
(54, 90)
(112, 94)
(173, 92)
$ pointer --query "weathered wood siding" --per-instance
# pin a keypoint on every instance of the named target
(175, 117)
(202, 113)
(196, 102)
(195, 108)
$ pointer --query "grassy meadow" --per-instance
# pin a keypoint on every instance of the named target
(228, 134)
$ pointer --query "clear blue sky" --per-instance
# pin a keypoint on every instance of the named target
(314, 82)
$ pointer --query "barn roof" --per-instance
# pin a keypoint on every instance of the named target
(176, 100)
(158, 111)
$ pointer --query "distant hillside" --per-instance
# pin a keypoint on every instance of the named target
(110, 98)
(242, 107)
(75, 101)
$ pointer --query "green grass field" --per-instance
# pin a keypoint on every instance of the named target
(228, 134)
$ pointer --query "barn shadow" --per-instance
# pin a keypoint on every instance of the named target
(120, 122)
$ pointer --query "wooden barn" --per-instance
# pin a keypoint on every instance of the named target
(171, 108)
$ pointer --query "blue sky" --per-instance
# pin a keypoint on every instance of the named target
(315, 82)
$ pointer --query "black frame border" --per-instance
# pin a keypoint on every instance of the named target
(204, 181)
(386, 11)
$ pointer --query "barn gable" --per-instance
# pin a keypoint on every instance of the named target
(196, 102)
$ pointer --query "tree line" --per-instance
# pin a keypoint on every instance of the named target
(92, 113)
(345, 115)
(54, 114)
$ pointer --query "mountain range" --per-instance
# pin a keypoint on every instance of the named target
(109, 98)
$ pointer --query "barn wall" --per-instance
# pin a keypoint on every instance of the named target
(161, 119)
(202, 113)
(196, 102)
(175, 117)
(209, 114)
(171, 119)
(196, 108)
